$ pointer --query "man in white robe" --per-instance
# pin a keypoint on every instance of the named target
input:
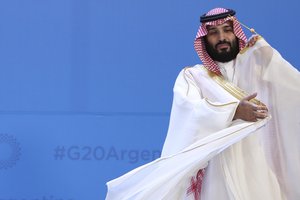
(223, 143)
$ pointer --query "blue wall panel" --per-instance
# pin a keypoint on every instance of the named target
(86, 86)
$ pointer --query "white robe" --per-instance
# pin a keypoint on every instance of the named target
(265, 165)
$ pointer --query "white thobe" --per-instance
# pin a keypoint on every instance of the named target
(243, 160)
(241, 171)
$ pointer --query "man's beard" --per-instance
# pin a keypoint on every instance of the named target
(222, 56)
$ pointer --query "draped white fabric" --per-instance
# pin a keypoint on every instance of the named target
(243, 160)
(278, 84)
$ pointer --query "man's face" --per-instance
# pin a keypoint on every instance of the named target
(221, 43)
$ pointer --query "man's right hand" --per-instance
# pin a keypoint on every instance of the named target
(249, 111)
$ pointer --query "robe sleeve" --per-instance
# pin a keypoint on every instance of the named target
(193, 116)
(278, 86)
(285, 100)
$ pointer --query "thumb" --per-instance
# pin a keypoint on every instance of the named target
(252, 96)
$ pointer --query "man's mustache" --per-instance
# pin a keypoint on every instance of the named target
(222, 42)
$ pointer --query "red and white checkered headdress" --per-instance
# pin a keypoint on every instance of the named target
(215, 17)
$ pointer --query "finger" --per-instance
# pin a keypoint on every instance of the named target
(252, 42)
(261, 107)
(249, 43)
(248, 98)
(262, 104)
(262, 111)
(264, 107)
(255, 38)
(260, 115)
(255, 107)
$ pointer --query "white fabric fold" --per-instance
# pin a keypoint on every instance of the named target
(167, 177)
(243, 160)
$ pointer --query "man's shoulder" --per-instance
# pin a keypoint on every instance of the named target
(198, 70)
(193, 72)
(195, 68)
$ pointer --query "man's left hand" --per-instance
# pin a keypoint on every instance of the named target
(253, 40)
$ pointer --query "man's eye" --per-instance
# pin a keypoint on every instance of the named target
(228, 30)
(212, 32)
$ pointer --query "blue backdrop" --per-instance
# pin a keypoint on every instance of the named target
(86, 86)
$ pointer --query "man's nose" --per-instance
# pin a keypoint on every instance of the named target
(222, 36)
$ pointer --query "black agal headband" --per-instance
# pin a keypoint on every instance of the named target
(210, 18)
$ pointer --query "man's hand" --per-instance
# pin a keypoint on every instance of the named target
(249, 111)
(253, 40)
